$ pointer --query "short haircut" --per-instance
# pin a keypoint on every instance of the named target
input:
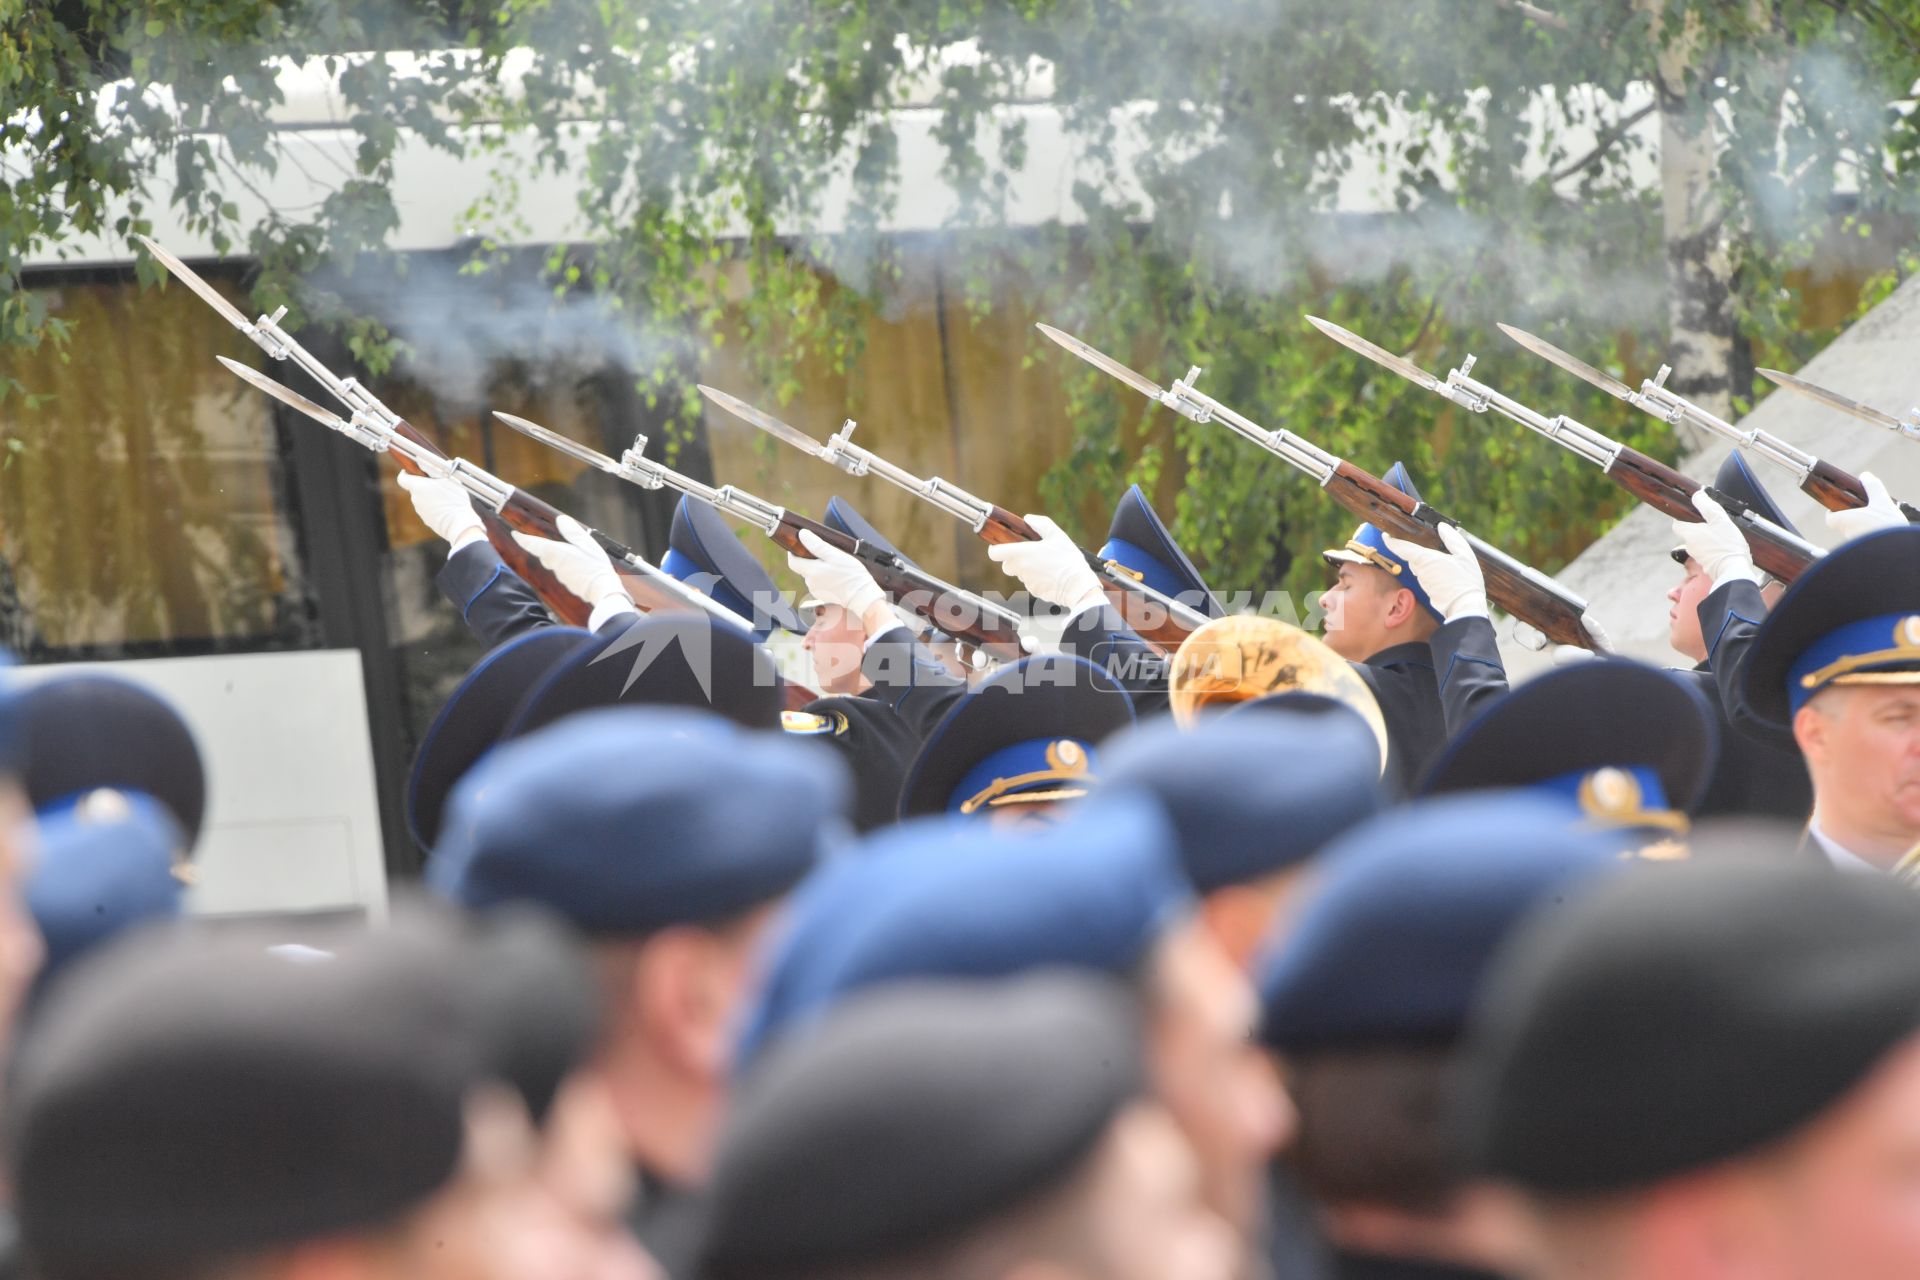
(1375, 1126)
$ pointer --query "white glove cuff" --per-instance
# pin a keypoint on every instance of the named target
(613, 605)
(466, 538)
(1742, 572)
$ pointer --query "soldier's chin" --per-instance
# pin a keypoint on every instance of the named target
(1335, 638)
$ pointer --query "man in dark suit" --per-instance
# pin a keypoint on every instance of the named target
(1717, 609)
(1380, 616)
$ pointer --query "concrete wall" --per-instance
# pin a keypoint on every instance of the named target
(292, 823)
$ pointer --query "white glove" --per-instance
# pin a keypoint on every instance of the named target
(1567, 655)
(1879, 513)
(582, 568)
(839, 578)
(445, 508)
(1053, 569)
(1716, 543)
(1602, 642)
(1451, 578)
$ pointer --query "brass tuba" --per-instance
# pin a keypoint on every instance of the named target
(1244, 657)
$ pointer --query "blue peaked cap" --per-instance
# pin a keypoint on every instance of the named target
(100, 874)
(704, 552)
(1139, 541)
(627, 820)
(1368, 545)
(1251, 795)
(952, 898)
(1409, 911)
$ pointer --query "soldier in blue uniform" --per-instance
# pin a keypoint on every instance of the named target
(498, 606)
(1717, 609)
(838, 639)
(900, 671)
(1837, 665)
(704, 553)
(1364, 1000)
(649, 831)
(1101, 891)
(1380, 617)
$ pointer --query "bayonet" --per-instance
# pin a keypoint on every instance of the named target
(1101, 361)
(1775, 550)
(1832, 488)
(208, 294)
(1381, 356)
(840, 450)
(1908, 426)
(651, 588)
(1159, 619)
(977, 622)
(1520, 589)
(375, 426)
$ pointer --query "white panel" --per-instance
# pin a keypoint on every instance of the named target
(293, 821)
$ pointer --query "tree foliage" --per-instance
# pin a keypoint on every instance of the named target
(1217, 147)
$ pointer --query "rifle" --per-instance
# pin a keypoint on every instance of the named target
(378, 427)
(1775, 551)
(1826, 484)
(976, 622)
(653, 589)
(1520, 589)
(1908, 426)
(1159, 619)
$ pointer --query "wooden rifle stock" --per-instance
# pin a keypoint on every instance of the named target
(1838, 490)
(1380, 504)
(1834, 489)
(567, 607)
(1002, 526)
(1669, 492)
(539, 519)
(911, 589)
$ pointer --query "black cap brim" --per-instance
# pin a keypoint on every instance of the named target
(1870, 576)
(703, 535)
(1604, 712)
(475, 716)
(1054, 695)
(679, 660)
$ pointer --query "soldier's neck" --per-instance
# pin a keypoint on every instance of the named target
(1883, 849)
(668, 1119)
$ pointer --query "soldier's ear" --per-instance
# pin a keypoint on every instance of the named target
(1810, 732)
(1402, 607)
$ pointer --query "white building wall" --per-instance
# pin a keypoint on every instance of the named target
(293, 822)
